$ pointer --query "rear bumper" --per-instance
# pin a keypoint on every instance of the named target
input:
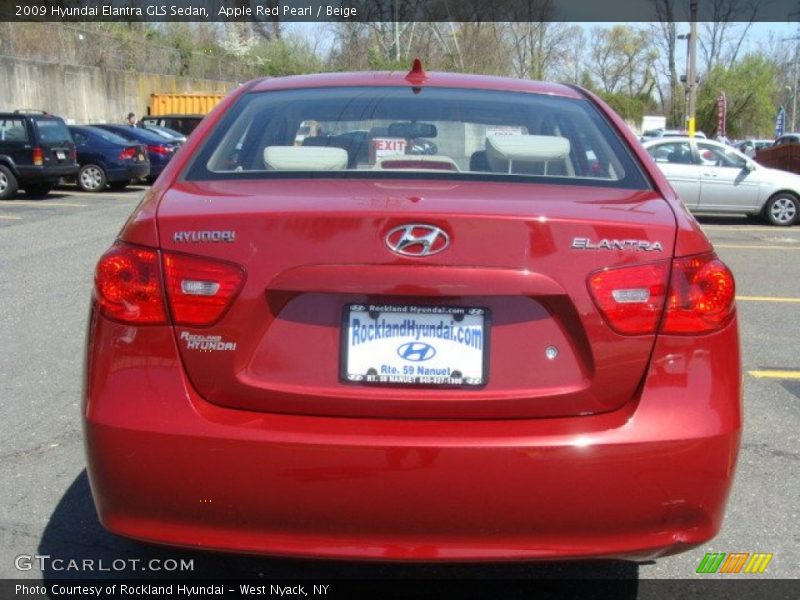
(48, 173)
(155, 170)
(649, 479)
(126, 173)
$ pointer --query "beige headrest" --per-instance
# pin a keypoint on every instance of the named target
(304, 158)
(523, 149)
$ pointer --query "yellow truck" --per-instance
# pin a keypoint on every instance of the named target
(183, 104)
(181, 112)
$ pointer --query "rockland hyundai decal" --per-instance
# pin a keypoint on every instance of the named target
(423, 345)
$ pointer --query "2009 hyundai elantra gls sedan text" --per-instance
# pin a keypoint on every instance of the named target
(468, 319)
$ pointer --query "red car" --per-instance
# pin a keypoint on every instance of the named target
(469, 319)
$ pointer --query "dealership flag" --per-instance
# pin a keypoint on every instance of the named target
(780, 122)
(722, 114)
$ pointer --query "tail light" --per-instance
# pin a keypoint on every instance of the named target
(128, 286)
(127, 153)
(200, 290)
(631, 298)
(159, 149)
(38, 156)
(699, 297)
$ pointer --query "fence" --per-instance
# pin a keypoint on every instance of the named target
(76, 46)
(785, 157)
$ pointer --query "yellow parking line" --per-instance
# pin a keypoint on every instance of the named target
(765, 299)
(41, 204)
(753, 247)
(9, 217)
(775, 374)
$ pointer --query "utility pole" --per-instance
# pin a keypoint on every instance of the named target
(685, 81)
(692, 75)
(794, 39)
(794, 92)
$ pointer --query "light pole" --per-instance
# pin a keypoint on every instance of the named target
(685, 80)
(692, 75)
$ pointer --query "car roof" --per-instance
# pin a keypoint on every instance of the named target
(397, 78)
(668, 140)
(172, 116)
(28, 115)
(680, 138)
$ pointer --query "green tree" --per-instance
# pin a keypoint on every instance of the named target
(288, 55)
(750, 86)
(630, 108)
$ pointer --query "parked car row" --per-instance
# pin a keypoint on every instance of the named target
(750, 147)
(714, 177)
(37, 150)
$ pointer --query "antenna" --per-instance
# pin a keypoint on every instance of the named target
(417, 75)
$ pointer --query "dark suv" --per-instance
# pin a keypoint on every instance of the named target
(36, 150)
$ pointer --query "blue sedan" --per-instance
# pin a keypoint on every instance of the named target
(159, 149)
(107, 159)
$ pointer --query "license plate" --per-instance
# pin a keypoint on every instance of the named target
(415, 345)
(61, 155)
(141, 157)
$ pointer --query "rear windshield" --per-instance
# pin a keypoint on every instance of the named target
(107, 135)
(433, 133)
(164, 131)
(139, 135)
(52, 131)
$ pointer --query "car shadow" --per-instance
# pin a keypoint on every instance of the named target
(727, 220)
(74, 533)
(61, 190)
(53, 194)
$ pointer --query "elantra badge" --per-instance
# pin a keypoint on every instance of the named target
(580, 243)
(417, 239)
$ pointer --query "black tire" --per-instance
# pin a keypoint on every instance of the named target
(8, 183)
(118, 185)
(782, 210)
(38, 190)
(92, 178)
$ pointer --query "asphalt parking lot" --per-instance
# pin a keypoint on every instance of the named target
(48, 250)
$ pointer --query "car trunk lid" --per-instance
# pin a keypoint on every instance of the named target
(521, 253)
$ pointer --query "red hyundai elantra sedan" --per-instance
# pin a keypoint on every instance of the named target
(465, 318)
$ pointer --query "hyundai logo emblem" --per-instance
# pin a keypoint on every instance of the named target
(416, 351)
(417, 239)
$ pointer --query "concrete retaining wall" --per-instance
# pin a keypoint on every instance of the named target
(89, 94)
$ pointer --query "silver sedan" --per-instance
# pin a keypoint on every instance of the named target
(714, 178)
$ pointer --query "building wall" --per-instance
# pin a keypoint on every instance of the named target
(89, 94)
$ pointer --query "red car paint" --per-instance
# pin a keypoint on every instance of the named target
(627, 449)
